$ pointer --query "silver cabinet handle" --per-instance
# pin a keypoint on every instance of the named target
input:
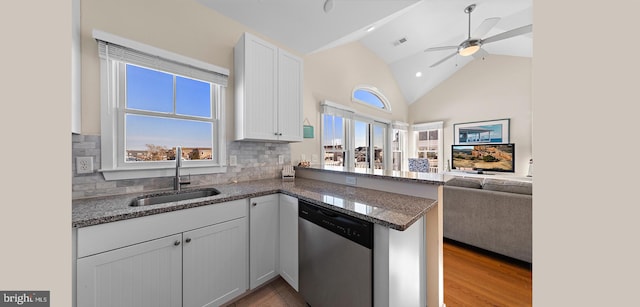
(176, 243)
(188, 240)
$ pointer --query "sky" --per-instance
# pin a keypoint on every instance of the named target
(153, 90)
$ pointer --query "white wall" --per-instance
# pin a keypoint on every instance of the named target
(184, 27)
(332, 75)
(190, 29)
(495, 88)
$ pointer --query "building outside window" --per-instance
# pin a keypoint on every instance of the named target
(333, 140)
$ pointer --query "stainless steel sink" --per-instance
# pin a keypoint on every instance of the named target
(155, 199)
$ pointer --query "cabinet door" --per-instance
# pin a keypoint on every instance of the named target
(260, 96)
(289, 239)
(215, 263)
(289, 97)
(263, 239)
(140, 275)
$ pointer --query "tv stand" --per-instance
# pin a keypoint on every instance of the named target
(479, 172)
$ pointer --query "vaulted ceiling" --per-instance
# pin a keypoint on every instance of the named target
(397, 31)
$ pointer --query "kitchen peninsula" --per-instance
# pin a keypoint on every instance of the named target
(402, 221)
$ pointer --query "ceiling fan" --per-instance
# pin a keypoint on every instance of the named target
(473, 44)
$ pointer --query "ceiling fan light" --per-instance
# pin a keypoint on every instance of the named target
(469, 47)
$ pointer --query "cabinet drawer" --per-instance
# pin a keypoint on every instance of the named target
(109, 236)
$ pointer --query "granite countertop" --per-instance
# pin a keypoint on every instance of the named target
(392, 210)
(417, 177)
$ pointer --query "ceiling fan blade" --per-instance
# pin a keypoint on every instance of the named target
(485, 27)
(445, 58)
(508, 34)
(440, 48)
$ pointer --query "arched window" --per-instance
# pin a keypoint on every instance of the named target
(370, 96)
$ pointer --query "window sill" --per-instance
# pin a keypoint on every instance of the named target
(122, 174)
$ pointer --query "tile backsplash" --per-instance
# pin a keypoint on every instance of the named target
(255, 160)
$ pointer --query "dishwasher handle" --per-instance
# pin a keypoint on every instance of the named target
(327, 213)
(350, 227)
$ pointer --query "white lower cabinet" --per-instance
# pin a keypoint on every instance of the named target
(203, 265)
(273, 239)
(214, 263)
(289, 239)
(143, 275)
(263, 239)
(204, 256)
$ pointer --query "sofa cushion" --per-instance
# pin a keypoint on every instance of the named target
(509, 186)
(473, 183)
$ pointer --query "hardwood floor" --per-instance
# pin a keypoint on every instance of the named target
(477, 278)
(276, 293)
(472, 278)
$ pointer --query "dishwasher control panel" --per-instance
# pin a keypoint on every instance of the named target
(342, 224)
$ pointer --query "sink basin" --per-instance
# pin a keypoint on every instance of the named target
(172, 196)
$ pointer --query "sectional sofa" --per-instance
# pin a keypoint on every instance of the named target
(492, 214)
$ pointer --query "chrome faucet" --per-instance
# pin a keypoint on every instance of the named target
(177, 183)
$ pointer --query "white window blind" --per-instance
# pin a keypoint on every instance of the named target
(158, 59)
(427, 126)
(330, 108)
(399, 125)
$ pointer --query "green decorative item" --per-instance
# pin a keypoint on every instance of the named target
(307, 129)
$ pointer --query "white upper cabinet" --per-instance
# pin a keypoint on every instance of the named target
(268, 92)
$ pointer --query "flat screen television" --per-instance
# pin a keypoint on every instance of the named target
(483, 157)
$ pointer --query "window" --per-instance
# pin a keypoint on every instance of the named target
(370, 96)
(162, 111)
(352, 141)
(428, 144)
(154, 101)
(361, 151)
(379, 141)
(399, 146)
(333, 139)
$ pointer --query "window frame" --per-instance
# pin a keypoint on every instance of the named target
(376, 92)
(112, 71)
(402, 129)
(349, 117)
(428, 127)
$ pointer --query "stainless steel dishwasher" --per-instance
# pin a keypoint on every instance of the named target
(335, 258)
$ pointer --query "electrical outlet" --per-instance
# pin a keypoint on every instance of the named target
(350, 180)
(280, 159)
(84, 165)
(233, 160)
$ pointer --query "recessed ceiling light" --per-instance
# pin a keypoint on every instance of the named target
(371, 28)
(419, 74)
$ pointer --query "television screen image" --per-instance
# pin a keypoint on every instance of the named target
(486, 157)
